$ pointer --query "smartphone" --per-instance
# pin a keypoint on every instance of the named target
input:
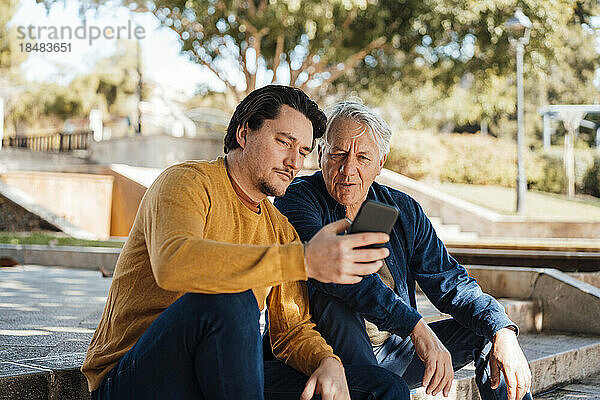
(374, 216)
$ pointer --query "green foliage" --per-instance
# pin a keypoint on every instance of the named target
(444, 93)
(333, 46)
(481, 161)
(45, 99)
(7, 9)
(446, 40)
(584, 159)
(591, 180)
(10, 54)
(553, 179)
(472, 159)
(568, 79)
(317, 40)
(485, 160)
(417, 154)
(109, 86)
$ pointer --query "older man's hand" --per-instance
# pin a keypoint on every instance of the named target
(439, 372)
(339, 259)
(329, 380)
(508, 358)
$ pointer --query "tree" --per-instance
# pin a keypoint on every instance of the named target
(10, 54)
(7, 10)
(329, 46)
(312, 42)
(110, 86)
(562, 72)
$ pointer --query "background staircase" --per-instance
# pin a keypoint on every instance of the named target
(563, 365)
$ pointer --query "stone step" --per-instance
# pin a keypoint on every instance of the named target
(435, 220)
(554, 359)
(452, 232)
(527, 314)
(586, 389)
(448, 229)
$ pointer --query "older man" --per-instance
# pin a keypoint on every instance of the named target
(394, 335)
(206, 253)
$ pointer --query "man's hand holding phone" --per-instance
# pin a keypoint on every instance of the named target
(333, 258)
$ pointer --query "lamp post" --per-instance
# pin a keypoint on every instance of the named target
(519, 28)
(1, 121)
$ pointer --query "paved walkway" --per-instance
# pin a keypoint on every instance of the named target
(47, 317)
(588, 389)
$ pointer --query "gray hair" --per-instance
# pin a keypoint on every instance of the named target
(354, 109)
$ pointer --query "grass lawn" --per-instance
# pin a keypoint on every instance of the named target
(56, 239)
(537, 204)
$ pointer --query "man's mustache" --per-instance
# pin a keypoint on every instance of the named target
(288, 171)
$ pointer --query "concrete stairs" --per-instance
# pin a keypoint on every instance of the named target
(451, 232)
(485, 222)
(556, 359)
(586, 389)
(29, 204)
(49, 314)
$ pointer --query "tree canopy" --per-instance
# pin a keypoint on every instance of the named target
(10, 56)
(434, 62)
(318, 45)
(111, 86)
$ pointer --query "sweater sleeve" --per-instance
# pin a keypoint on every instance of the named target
(294, 338)
(182, 259)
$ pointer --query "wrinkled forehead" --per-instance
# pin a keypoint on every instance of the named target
(344, 131)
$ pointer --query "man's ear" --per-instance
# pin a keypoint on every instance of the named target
(240, 135)
(319, 154)
(381, 163)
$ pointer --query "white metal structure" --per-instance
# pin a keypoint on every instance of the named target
(572, 116)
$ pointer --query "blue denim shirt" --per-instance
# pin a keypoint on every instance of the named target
(416, 254)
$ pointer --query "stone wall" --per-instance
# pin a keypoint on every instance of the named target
(83, 200)
(154, 151)
(14, 218)
(27, 160)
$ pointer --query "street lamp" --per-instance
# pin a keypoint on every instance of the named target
(519, 28)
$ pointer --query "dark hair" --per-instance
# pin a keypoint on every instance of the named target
(265, 103)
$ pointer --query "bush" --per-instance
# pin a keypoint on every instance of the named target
(472, 159)
(554, 179)
(591, 180)
(479, 160)
(485, 160)
(418, 155)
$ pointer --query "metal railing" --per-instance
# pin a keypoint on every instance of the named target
(56, 142)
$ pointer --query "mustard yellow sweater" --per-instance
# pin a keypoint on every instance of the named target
(193, 234)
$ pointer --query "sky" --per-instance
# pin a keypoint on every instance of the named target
(162, 62)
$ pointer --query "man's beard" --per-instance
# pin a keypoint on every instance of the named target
(270, 190)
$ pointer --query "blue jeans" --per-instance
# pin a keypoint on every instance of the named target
(345, 331)
(209, 347)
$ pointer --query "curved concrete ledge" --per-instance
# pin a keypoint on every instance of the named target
(94, 258)
(28, 203)
(567, 304)
(24, 381)
(485, 222)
